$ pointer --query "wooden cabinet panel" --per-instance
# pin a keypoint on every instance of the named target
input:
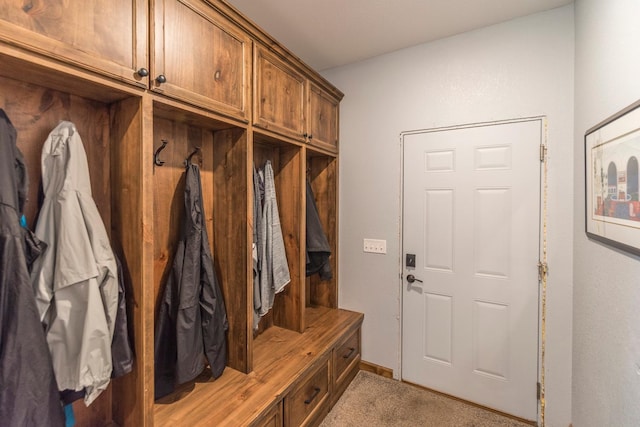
(232, 240)
(288, 103)
(346, 362)
(279, 100)
(105, 36)
(200, 57)
(306, 402)
(323, 113)
(272, 419)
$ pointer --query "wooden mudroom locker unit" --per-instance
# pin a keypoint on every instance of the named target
(133, 73)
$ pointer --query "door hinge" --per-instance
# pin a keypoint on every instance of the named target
(543, 152)
(543, 269)
(539, 390)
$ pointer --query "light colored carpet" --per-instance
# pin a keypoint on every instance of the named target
(375, 401)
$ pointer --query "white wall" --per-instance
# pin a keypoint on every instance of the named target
(606, 309)
(520, 68)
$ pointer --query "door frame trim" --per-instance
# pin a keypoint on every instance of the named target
(542, 242)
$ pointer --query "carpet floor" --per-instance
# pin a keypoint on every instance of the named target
(375, 401)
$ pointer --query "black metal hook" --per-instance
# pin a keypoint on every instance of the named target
(156, 155)
(187, 161)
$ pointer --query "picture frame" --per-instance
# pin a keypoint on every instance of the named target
(612, 180)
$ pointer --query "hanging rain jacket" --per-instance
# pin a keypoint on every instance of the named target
(75, 281)
(28, 391)
(192, 321)
(274, 274)
(318, 249)
(121, 347)
(258, 196)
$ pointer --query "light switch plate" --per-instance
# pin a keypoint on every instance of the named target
(375, 246)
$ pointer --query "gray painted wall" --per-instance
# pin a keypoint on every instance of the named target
(606, 305)
(520, 68)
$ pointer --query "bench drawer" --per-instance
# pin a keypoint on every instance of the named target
(308, 399)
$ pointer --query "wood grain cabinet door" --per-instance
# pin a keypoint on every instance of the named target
(279, 99)
(322, 124)
(109, 37)
(200, 57)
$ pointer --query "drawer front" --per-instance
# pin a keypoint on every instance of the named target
(309, 397)
(273, 418)
(345, 354)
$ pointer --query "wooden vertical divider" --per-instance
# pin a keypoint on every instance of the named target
(132, 234)
(288, 307)
(232, 240)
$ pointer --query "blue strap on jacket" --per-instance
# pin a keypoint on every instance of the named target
(70, 418)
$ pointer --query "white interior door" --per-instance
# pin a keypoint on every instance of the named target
(471, 217)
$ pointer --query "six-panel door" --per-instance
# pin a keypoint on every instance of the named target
(471, 217)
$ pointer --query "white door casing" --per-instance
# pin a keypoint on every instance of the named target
(471, 216)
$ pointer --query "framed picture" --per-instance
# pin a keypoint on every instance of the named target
(612, 155)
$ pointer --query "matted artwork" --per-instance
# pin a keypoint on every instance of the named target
(612, 152)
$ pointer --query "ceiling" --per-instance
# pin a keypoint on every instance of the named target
(331, 33)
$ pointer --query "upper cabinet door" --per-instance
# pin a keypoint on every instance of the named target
(105, 36)
(279, 99)
(322, 119)
(200, 57)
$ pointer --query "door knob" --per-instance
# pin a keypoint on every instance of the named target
(411, 278)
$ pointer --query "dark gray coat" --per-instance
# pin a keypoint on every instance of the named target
(192, 320)
(318, 249)
(28, 391)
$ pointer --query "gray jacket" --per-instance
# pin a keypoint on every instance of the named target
(318, 249)
(28, 391)
(75, 281)
(274, 274)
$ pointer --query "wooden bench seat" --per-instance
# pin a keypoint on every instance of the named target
(282, 359)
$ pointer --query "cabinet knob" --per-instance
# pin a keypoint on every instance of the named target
(143, 72)
(161, 79)
(310, 136)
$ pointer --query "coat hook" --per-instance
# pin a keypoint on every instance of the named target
(156, 155)
(187, 161)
